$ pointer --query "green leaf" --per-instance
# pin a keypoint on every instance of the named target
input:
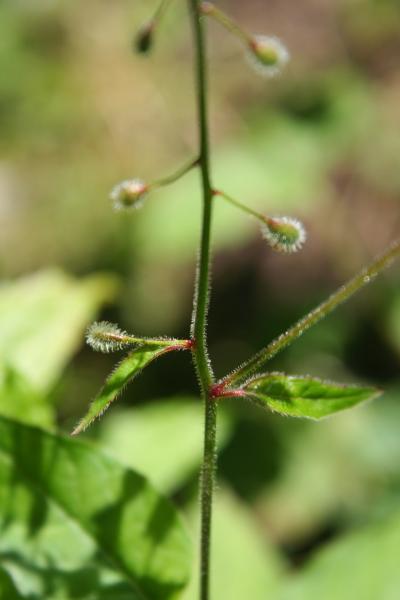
(133, 436)
(42, 321)
(8, 591)
(127, 369)
(245, 565)
(309, 397)
(345, 465)
(18, 400)
(76, 524)
(364, 564)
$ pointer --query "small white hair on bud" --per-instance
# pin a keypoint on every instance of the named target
(128, 194)
(106, 337)
(268, 54)
(284, 234)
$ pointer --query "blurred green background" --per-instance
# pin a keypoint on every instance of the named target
(78, 113)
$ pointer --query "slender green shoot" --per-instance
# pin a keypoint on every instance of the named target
(364, 277)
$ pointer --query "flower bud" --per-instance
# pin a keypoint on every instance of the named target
(107, 337)
(268, 54)
(129, 194)
(284, 234)
(144, 39)
(207, 8)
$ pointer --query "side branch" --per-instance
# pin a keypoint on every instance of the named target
(341, 295)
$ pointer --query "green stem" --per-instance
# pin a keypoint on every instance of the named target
(200, 309)
(162, 7)
(174, 176)
(209, 9)
(240, 206)
(321, 311)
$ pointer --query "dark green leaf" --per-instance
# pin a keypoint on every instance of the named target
(309, 397)
(8, 591)
(76, 524)
(127, 369)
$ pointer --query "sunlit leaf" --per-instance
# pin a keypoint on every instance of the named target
(364, 564)
(76, 524)
(245, 565)
(127, 369)
(19, 400)
(309, 397)
(162, 439)
(42, 321)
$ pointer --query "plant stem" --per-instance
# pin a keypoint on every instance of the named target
(174, 176)
(364, 277)
(209, 9)
(200, 309)
(240, 206)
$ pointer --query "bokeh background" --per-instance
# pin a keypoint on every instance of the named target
(79, 111)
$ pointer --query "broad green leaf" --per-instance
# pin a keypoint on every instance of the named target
(127, 369)
(363, 565)
(309, 397)
(163, 439)
(244, 564)
(76, 524)
(18, 400)
(42, 320)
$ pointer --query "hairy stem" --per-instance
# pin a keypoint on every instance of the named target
(200, 309)
(341, 295)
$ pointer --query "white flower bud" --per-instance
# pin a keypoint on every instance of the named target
(284, 234)
(129, 194)
(107, 337)
(268, 54)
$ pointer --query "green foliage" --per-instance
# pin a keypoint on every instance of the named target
(364, 564)
(20, 400)
(341, 469)
(245, 564)
(127, 370)
(305, 396)
(7, 589)
(42, 320)
(75, 523)
(162, 439)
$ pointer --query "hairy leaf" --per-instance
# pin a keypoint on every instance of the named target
(127, 369)
(76, 524)
(309, 397)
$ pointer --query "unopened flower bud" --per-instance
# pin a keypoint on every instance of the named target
(207, 8)
(144, 39)
(107, 337)
(268, 54)
(129, 194)
(284, 234)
